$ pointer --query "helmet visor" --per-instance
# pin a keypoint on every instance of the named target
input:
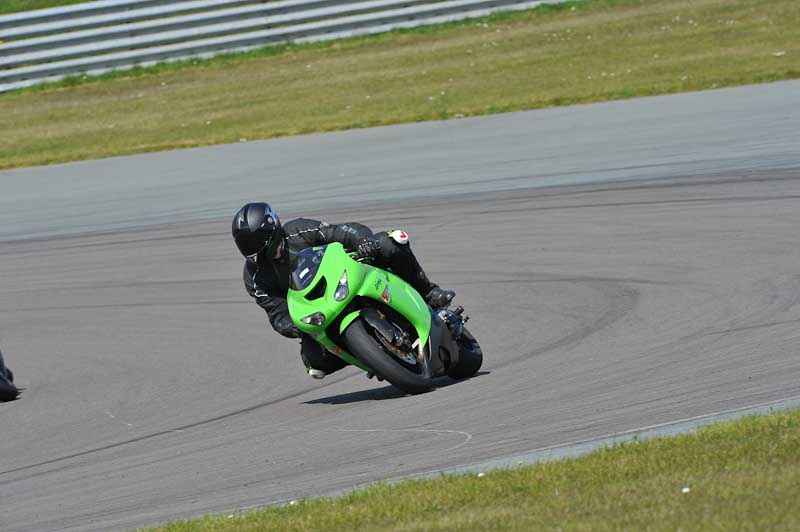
(273, 248)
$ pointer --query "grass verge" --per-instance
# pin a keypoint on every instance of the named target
(590, 51)
(12, 6)
(740, 475)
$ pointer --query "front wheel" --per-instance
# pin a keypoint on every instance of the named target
(370, 351)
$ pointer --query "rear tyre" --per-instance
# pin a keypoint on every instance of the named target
(470, 357)
(364, 346)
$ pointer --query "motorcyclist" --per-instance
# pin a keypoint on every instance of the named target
(270, 248)
(8, 392)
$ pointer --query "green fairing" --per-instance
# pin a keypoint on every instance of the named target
(363, 280)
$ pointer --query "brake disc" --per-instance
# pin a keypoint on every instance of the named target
(408, 358)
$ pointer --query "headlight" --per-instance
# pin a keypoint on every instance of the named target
(342, 291)
(318, 318)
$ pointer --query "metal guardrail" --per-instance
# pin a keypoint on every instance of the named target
(97, 37)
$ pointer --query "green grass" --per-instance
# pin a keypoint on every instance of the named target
(12, 6)
(600, 50)
(741, 475)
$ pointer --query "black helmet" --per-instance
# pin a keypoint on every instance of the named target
(257, 231)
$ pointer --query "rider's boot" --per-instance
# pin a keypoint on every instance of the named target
(317, 361)
(439, 297)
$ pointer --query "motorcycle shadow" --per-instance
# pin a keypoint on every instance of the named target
(388, 392)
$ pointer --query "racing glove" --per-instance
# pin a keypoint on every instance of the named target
(368, 247)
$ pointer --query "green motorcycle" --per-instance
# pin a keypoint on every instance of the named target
(373, 319)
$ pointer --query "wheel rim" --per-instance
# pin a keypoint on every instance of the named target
(407, 359)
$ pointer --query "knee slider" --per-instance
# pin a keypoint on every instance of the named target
(399, 236)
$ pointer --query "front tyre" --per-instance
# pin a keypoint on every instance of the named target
(470, 357)
(370, 351)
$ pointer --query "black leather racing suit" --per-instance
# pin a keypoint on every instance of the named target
(269, 283)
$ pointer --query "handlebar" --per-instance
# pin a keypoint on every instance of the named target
(354, 255)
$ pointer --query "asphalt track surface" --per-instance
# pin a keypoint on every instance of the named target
(154, 390)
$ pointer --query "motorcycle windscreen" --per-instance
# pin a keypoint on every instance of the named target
(308, 261)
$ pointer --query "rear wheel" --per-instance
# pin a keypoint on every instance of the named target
(470, 357)
(401, 371)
